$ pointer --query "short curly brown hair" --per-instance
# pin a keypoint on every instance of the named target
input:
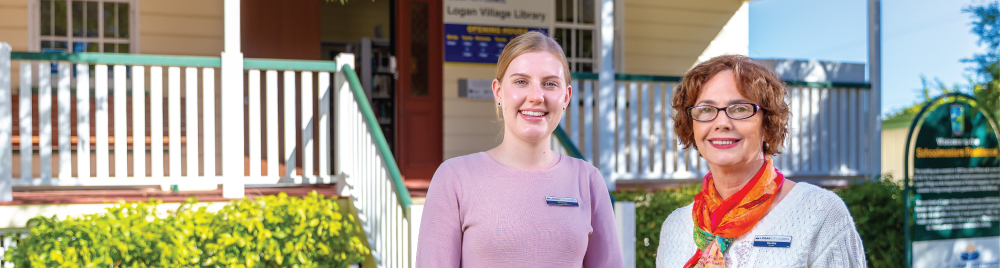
(754, 81)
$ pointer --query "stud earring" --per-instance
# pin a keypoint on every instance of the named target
(498, 104)
(564, 108)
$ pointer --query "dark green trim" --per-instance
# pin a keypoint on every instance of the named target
(297, 65)
(647, 78)
(663, 78)
(124, 59)
(584, 76)
(827, 84)
(567, 143)
(182, 61)
(379, 138)
(629, 77)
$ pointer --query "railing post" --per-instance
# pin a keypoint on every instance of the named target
(340, 84)
(605, 99)
(625, 221)
(6, 125)
(416, 212)
(232, 104)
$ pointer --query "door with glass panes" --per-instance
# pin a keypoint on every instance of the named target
(419, 46)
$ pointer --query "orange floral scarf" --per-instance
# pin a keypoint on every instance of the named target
(718, 221)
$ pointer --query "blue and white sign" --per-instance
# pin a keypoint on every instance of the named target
(476, 31)
(477, 43)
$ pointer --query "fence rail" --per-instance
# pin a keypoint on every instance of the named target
(371, 176)
(95, 119)
(824, 139)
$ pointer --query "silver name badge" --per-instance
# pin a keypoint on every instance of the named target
(561, 201)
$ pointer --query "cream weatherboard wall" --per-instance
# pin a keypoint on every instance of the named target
(180, 27)
(469, 125)
(667, 37)
(14, 24)
(893, 144)
(14, 29)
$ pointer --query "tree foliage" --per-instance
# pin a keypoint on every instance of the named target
(986, 25)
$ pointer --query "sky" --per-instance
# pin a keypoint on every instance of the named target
(919, 37)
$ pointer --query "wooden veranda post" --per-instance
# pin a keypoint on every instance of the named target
(232, 104)
(605, 99)
(6, 185)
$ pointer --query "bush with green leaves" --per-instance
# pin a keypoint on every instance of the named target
(270, 231)
(877, 208)
(651, 208)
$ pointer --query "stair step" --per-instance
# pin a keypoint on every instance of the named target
(417, 188)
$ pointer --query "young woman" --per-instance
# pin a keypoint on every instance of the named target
(521, 204)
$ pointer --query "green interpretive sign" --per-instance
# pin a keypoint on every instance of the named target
(955, 189)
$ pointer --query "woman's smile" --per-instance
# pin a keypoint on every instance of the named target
(533, 114)
(723, 143)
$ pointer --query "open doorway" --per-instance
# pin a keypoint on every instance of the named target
(398, 48)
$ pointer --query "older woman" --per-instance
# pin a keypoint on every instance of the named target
(521, 204)
(732, 110)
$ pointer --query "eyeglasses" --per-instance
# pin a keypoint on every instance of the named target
(736, 111)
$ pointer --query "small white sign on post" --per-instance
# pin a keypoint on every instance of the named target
(475, 89)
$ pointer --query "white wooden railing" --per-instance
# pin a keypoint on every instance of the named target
(103, 133)
(826, 136)
(107, 93)
(371, 177)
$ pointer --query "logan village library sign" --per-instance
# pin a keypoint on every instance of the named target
(955, 189)
(476, 31)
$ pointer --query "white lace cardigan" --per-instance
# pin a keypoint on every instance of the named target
(821, 227)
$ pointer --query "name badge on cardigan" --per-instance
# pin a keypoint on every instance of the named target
(561, 201)
(772, 241)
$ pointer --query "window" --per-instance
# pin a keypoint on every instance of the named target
(576, 29)
(84, 26)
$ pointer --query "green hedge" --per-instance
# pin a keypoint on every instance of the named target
(877, 208)
(651, 208)
(270, 231)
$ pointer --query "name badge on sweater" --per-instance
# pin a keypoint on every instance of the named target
(772, 241)
(561, 201)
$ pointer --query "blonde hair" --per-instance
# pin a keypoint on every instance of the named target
(527, 43)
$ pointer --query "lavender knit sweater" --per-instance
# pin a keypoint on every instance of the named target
(481, 213)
